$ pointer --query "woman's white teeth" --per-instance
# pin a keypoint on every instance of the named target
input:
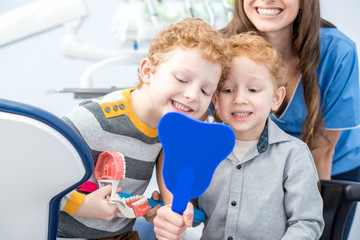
(181, 107)
(268, 12)
(242, 114)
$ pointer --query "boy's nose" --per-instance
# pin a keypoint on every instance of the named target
(240, 98)
(191, 94)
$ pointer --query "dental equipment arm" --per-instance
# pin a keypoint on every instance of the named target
(37, 17)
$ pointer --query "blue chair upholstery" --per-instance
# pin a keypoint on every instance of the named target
(42, 159)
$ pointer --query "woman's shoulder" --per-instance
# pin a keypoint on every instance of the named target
(336, 49)
(334, 38)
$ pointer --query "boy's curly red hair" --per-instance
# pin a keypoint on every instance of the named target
(186, 34)
(259, 50)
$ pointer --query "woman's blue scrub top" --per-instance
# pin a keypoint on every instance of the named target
(338, 77)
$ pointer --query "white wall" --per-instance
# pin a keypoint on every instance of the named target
(344, 15)
(33, 67)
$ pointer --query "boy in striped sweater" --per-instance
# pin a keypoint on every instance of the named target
(180, 73)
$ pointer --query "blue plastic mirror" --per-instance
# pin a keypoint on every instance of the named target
(192, 151)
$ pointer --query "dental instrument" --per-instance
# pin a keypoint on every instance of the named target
(189, 8)
(210, 12)
(153, 14)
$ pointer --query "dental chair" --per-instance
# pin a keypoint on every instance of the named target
(339, 197)
(41, 159)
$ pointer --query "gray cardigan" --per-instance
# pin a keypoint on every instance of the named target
(272, 194)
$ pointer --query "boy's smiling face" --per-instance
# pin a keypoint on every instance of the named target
(247, 97)
(183, 82)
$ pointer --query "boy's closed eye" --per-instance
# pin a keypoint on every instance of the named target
(180, 79)
(205, 92)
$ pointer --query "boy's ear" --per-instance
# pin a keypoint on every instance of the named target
(214, 99)
(145, 70)
(278, 98)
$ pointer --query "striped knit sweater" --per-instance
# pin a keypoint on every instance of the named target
(109, 123)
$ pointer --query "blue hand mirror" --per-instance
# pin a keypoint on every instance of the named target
(192, 151)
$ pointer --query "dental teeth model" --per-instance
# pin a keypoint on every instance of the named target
(110, 169)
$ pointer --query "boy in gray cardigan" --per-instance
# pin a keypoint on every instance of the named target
(267, 187)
